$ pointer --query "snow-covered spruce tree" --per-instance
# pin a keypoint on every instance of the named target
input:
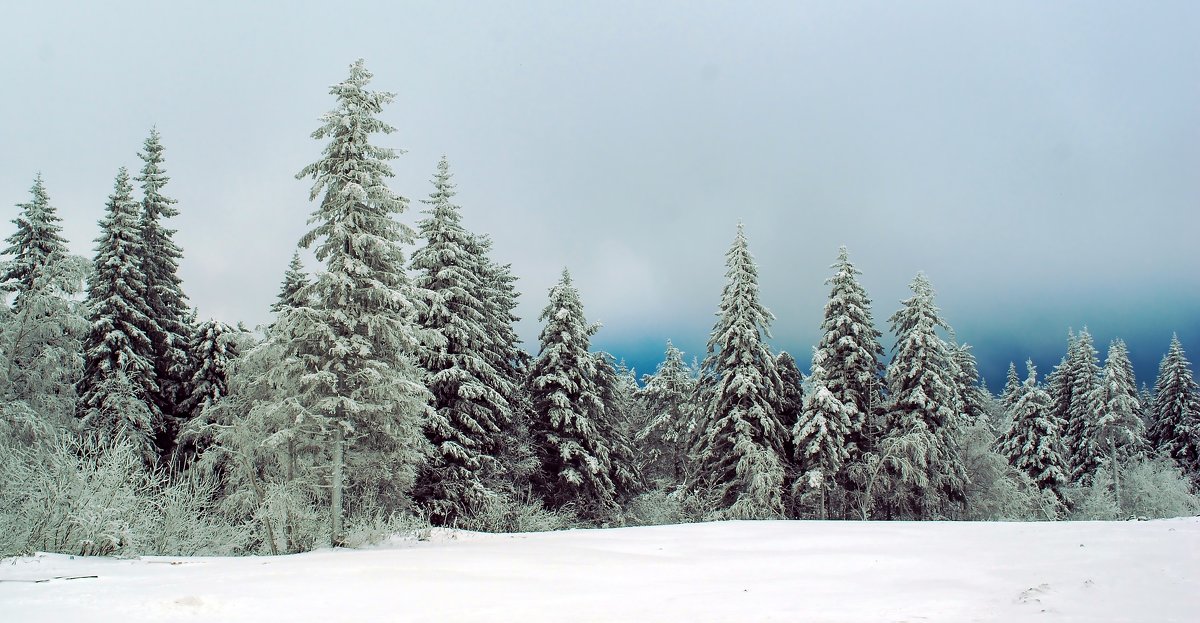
(168, 328)
(819, 437)
(294, 282)
(569, 421)
(1117, 434)
(1033, 443)
(850, 348)
(740, 460)
(1058, 385)
(666, 399)
(618, 391)
(973, 398)
(213, 347)
(118, 385)
(1175, 423)
(499, 296)
(37, 239)
(923, 406)
(623, 402)
(1084, 375)
(1012, 388)
(40, 337)
(262, 443)
(1146, 400)
(469, 394)
(359, 338)
(791, 400)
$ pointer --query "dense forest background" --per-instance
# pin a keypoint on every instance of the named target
(390, 391)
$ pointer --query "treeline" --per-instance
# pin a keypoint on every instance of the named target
(391, 391)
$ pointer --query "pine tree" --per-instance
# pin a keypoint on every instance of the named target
(38, 238)
(469, 394)
(1175, 431)
(819, 436)
(791, 401)
(41, 355)
(666, 399)
(1083, 457)
(212, 350)
(294, 282)
(167, 324)
(972, 397)
(569, 412)
(505, 352)
(618, 392)
(359, 339)
(1058, 385)
(1012, 388)
(850, 348)
(1116, 430)
(118, 384)
(740, 454)
(1033, 444)
(924, 400)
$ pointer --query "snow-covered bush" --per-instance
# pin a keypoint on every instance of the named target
(997, 491)
(79, 495)
(509, 513)
(1149, 488)
(663, 506)
(374, 526)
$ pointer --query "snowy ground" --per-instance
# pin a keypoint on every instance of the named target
(731, 571)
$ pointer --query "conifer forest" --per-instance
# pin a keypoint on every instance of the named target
(390, 390)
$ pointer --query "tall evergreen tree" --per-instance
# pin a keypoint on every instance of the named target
(740, 454)
(972, 397)
(924, 400)
(470, 402)
(359, 339)
(670, 418)
(38, 239)
(1012, 388)
(40, 338)
(1033, 444)
(618, 391)
(819, 436)
(1116, 431)
(791, 400)
(118, 384)
(1175, 427)
(212, 351)
(569, 421)
(1058, 385)
(1084, 365)
(167, 324)
(850, 348)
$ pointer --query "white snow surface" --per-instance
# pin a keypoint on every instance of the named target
(729, 571)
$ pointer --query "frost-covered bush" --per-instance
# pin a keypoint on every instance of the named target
(82, 496)
(1149, 488)
(374, 526)
(662, 507)
(997, 491)
(509, 513)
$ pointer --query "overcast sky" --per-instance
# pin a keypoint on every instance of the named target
(1040, 161)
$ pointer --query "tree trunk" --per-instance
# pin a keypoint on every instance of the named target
(288, 532)
(336, 538)
(1112, 449)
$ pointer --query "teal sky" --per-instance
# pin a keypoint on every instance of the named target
(1038, 160)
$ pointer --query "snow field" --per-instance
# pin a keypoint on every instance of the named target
(726, 571)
